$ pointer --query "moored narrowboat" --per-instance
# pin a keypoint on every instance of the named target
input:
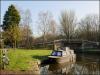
(62, 56)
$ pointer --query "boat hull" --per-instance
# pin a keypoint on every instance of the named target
(59, 60)
(55, 59)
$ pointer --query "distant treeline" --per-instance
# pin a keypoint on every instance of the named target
(17, 28)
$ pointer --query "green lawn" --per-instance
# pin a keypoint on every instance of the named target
(20, 58)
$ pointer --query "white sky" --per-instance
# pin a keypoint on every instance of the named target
(81, 9)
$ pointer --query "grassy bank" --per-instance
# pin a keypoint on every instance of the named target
(20, 58)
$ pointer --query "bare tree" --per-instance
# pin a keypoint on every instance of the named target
(46, 24)
(99, 31)
(53, 27)
(67, 22)
(26, 37)
(89, 27)
(1, 38)
(98, 23)
(25, 28)
(53, 30)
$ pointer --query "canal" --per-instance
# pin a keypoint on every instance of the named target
(85, 64)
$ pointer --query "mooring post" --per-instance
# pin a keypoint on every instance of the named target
(5, 59)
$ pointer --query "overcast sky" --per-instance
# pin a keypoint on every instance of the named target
(81, 9)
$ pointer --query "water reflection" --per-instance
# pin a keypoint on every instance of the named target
(85, 64)
(55, 69)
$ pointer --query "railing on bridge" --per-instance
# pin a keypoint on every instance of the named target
(72, 43)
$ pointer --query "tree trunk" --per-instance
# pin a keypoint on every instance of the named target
(44, 40)
(14, 45)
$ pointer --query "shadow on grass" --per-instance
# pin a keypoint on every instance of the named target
(44, 60)
(41, 58)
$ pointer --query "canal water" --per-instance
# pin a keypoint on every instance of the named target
(85, 64)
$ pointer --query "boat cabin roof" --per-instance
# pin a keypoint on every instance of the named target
(57, 53)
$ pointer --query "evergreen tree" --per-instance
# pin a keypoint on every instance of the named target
(11, 17)
(11, 26)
